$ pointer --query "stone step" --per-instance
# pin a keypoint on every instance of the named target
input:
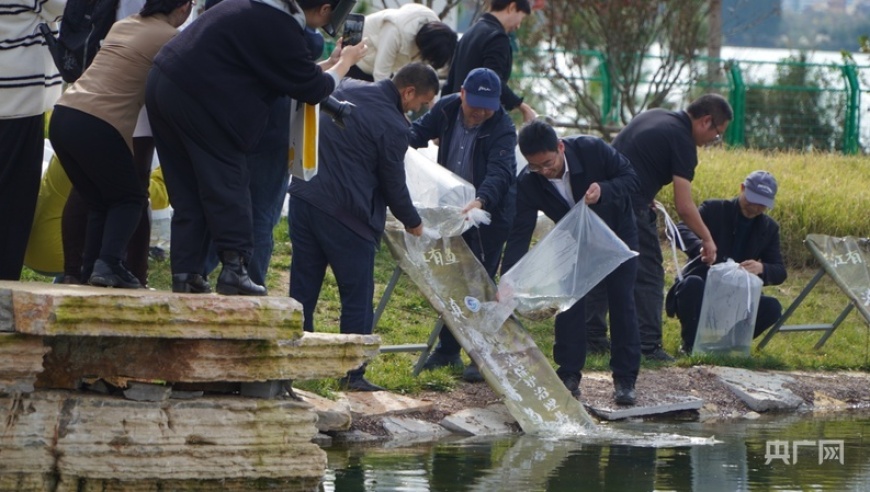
(311, 356)
(104, 437)
(20, 362)
(76, 310)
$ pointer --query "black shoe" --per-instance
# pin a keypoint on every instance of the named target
(234, 280)
(658, 354)
(71, 280)
(686, 350)
(572, 382)
(598, 346)
(623, 393)
(113, 275)
(471, 374)
(358, 383)
(192, 283)
(437, 359)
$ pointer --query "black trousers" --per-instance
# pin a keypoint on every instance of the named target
(21, 147)
(689, 295)
(569, 351)
(206, 176)
(648, 290)
(75, 220)
(100, 166)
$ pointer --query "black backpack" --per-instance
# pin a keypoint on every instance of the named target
(83, 26)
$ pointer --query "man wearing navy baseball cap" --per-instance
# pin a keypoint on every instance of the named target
(482, 89)
(743, 232)
(477, 142)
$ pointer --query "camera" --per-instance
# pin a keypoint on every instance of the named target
(337, 110)
(353, 28)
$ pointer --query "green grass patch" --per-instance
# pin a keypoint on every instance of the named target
(818, 193)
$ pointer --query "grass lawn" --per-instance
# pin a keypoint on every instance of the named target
(824, 194)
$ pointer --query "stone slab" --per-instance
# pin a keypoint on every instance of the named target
(20, 362)
(459, 289)
(406, 431)
(109, 438)
(6, 311)
(138, 391)
(489, 421)
(332, 415)
(381, 403)
(678, 403)
(760, 391)
(77, 310)
(311, 356)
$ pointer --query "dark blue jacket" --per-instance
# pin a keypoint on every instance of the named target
(361, 168)
(494, 154)
(485, 45)
(762, 243)
(237, 59)
(590, 160)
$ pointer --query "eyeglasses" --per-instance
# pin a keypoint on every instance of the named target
(550, 164)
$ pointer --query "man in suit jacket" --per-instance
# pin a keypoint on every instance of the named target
(562, 172)
(743, 232)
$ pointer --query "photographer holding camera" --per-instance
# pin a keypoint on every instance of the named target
(209, 96)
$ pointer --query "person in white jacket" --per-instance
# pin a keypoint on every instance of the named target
(396, 37)
(29, 85)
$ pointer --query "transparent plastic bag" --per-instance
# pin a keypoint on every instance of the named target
(728, 311)
(440, 196)
(564, 266)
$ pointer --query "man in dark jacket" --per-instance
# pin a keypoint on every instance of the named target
(560, 174)
(742, 232)
(486, 44)
(208, 96)
(338, 217)
(477, 142)
(662, 148)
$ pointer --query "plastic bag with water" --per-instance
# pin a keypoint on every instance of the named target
(564, 266)
(440, 196)
(728, 311)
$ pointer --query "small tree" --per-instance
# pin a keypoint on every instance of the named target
(798, 112)
(593, 55)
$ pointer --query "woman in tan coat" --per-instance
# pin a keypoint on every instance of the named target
(92, 133)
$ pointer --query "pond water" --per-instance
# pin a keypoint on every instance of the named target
(781, 453)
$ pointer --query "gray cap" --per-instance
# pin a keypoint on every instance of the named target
(760, 188)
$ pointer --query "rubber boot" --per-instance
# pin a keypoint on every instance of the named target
(192, 283)
(234, 279)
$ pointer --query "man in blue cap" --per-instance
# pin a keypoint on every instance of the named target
(477, 142)
(743, 232)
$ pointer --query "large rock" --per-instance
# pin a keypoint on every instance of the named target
(20, 362)
(56, 309)
(311, 356)
(109, 438)
(760, 391)
(332, 415)
(489, 421)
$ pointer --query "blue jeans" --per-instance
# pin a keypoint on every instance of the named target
(269, 181)
(319, 240)
(270, 178)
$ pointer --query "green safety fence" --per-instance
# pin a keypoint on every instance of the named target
(788, 104)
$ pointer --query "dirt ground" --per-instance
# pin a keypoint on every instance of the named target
(840, 391)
